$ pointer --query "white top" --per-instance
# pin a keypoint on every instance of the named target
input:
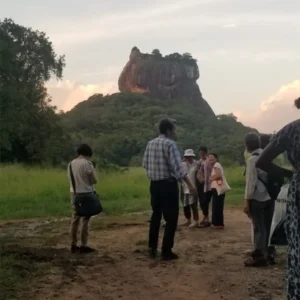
(213, 173)
(191, 170)
(255, 189)
(83, 171)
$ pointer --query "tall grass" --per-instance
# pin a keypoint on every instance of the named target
(38, 192)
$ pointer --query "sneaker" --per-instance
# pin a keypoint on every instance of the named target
(169, 256)
(193, 225)
(86, 249)
(186, 223)
(74, 249)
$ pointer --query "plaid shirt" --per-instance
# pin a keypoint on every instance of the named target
(162, 160)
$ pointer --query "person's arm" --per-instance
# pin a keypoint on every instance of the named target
(217, 172)
(251, 179)
(90, 170)
(176, 164)
(251, 182)
(146, 158)
(278, 145)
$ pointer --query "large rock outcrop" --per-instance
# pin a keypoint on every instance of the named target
(171, 77)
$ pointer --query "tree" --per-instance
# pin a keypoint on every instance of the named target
(187, 55)
(174, 56)
(156, 53)
(28, 121)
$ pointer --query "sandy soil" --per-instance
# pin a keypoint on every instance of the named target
(210, 265)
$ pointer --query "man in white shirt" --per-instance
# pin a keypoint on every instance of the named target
(85, 178)
(258, 204)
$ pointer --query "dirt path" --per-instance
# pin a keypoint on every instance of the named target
(210, 266)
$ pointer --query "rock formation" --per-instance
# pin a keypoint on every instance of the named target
(173, 76)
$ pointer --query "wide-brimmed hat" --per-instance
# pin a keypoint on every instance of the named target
(189, 153)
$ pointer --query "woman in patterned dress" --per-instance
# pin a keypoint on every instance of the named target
(288, 139)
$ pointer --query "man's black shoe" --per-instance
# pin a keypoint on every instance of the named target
(86, 250)
(169, 256)
(152, 253)
(75, 249)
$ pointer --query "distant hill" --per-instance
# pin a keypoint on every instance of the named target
(119, 126)
(165, 77)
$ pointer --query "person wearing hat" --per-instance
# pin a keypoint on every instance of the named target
(189, 200)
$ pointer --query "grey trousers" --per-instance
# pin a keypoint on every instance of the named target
(261, 213)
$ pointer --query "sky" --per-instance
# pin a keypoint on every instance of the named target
(248, 51)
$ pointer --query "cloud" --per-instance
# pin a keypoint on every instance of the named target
(66, 94)
(274, 112)
(230, 25)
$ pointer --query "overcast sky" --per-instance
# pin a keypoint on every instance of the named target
(248, 51)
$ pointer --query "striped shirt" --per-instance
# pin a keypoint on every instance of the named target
(162, 160)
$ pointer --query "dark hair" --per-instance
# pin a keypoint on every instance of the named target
(264, 140)
(203, 149)
(252, 141)
(85, 150)
(165, 126)
(215, 155)
(297, 103)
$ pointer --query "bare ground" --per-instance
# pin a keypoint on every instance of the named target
(210, 265)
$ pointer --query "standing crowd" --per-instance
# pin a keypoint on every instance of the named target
(202, 182)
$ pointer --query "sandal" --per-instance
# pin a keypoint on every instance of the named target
(204, 224)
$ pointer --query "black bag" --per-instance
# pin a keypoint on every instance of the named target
(279, 236)
(86, 205)
(273, 184)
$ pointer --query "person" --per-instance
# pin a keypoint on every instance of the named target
(203, 195)
(189, 201)
(217, 178)
(258, 204)
(162, 162)
(288, 139)
(85, 178)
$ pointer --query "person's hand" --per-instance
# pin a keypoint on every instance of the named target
(193, 191)
(246, 210)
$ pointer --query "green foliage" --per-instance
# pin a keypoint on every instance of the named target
(119, 126)
(44, 192)
(30, 130)
(156, 53)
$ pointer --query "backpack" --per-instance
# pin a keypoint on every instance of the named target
(274, 183)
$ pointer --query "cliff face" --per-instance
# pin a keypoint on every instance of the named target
(163, 77)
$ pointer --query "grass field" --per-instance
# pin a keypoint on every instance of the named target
(39, 192)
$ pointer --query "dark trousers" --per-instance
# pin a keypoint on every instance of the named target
(206, 202)
(189, 209)
(261, 213)
(164, 202)
(202, 198)
(217, 208)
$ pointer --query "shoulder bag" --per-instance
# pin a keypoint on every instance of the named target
(86, 204)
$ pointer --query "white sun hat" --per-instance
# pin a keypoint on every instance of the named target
(189, 153)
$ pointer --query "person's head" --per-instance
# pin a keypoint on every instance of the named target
(297, 103)
(202, 152)
(252, 142)
(264, 140)
(85, 150)
(167, 128)
(212, 158)
(189, 155)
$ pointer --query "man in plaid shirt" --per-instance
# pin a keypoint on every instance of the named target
(162, 161)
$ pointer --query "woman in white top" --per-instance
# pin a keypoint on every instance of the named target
(219, 188)
(190, 202)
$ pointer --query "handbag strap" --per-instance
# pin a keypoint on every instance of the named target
(72, 178)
